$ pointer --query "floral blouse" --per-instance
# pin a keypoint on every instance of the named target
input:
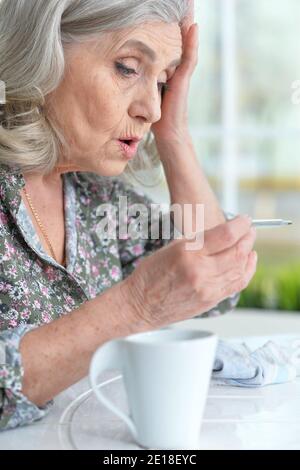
(35, 289)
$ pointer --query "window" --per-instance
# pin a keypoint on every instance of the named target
(245, 126)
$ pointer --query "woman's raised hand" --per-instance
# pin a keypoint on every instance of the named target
(175, 284)
(174, 125)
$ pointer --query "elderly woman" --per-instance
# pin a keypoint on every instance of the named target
(86, 80)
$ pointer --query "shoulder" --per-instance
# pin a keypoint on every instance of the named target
(11, 179)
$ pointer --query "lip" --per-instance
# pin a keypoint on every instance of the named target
(134, 138)
(129, 150)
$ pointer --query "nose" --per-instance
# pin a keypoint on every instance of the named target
(146, 104)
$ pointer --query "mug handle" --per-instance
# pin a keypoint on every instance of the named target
(108, 357)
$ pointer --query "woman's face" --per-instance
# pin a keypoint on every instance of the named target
(112, 90)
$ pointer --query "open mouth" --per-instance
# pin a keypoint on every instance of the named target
(127, 142)
(129, 147)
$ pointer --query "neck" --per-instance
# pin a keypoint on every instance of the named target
(55, 177)
(45, 181)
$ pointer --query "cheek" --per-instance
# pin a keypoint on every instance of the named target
(106, 103)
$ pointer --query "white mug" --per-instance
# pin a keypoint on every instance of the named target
(166, 375)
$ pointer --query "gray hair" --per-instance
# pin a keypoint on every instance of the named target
(33, 35)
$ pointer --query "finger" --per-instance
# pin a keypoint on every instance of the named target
(242, 283)
(234, 260)
(226, 235)
(234, 275)
(190, 50)
(189, 18)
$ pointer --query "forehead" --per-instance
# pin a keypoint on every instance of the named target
(163, 38)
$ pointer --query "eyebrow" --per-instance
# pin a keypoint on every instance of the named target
(148, 51)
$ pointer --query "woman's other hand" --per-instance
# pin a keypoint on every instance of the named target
(175, 284)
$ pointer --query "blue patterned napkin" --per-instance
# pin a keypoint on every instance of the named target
(237, 364)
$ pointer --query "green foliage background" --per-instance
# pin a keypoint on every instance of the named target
(274, 288)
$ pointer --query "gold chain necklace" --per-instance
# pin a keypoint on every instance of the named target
(35, 214)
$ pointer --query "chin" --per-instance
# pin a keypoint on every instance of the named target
(114, 170)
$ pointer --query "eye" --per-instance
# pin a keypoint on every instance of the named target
(127, 72)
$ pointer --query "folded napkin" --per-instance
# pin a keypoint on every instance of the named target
(236, 364)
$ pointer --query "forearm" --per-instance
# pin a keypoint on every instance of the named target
(188, 184)
(57, 355)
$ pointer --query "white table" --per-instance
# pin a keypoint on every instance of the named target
(235, 418)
